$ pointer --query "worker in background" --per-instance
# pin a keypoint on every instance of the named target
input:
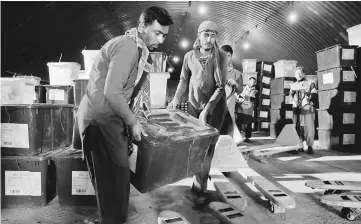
(204, 71)
(303, 95)
(105, 118)
(245, 107)
(234, 82)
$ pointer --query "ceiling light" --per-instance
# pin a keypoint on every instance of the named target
(246, 46)
(292, 17)
(170, 70)
(184, 43)
(202, 9)
(175, 59)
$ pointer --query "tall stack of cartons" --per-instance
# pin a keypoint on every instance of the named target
(265, 73)
(281, 108)
(32, 132)
(337, 96)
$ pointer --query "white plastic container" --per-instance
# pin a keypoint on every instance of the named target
(249, 65)
(285, 68)
(82, 75)
(246, 76)
(17, 90)
(36, 79)
(354, 35)
(89, 58)
(63, 73)
(158, 89)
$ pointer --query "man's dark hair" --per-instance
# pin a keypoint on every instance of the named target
(227, 48)
(157, 13)
(250, 78)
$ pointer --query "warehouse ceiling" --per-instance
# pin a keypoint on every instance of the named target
(34, 33)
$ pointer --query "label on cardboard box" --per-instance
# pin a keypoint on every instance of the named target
(348, 118)
(348, 54)
(265, 125)
(265, 91)
(14, 135)
(81, 183)
(263, 114)
(289, 114)
(287, 100)
(349, 97)
(19, 183)
(348, 76)
(348, 139)
(56, 94)
(133, 158)
(266, 102)
(327, 78)
(267, 68)
(266, 80)
(287, 84)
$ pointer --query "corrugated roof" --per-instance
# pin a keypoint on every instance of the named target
(38, 32)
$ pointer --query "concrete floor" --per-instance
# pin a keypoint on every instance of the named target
(286, 170)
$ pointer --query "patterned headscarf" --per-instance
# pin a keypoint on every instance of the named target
(209, 25)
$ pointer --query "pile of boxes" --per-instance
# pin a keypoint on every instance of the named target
(281, 109)
(337, 96)
(265, 73)
(36, 127)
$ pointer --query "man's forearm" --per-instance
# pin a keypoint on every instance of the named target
(182, 86)
(216, 97)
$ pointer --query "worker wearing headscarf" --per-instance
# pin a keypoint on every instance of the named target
(303, 95)
(204, 71)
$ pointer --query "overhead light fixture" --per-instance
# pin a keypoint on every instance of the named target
(175, 59)
(202, 9)
(170, 70)
(184, 43)
(292, 17)
(246, 46)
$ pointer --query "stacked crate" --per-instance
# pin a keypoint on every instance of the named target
(281, 109)
(34, 131)
(265, 73)
(337, 96)
(31, 135)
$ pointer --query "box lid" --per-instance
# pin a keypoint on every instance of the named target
(35, 106)
(338, 45)
(24, 159)
(167, 126)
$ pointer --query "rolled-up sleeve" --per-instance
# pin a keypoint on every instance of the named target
(122, 60)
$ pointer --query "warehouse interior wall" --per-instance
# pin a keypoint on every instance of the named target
(35, 33)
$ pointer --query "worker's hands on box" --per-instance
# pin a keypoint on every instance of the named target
(137, 131)
(203, 117)
(232, 82)
(173, 104)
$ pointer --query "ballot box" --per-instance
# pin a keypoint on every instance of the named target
(174, 149)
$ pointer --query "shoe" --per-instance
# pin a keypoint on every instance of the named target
(247, 140)
(202, 198)
(310, 150)
(198, 192)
